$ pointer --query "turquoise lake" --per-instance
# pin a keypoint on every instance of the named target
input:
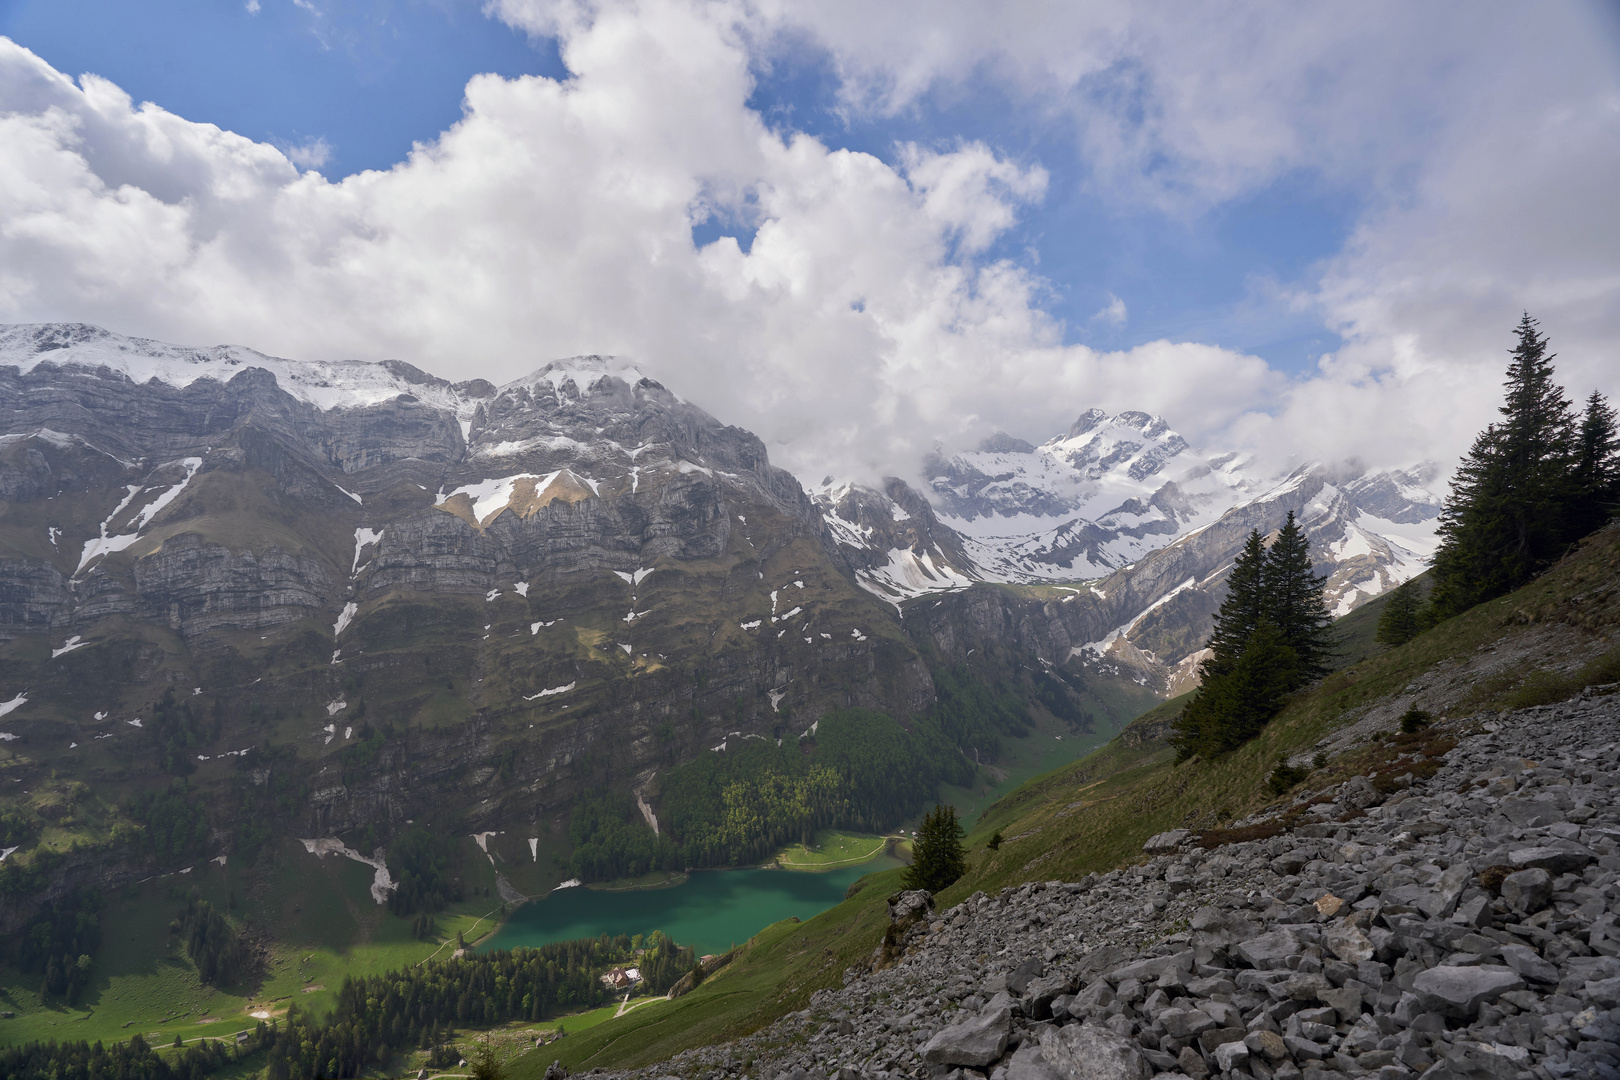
(710, 911)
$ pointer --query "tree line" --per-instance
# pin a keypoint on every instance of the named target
(1529, 487)
(1273, 634)
(59, 945)
(220, 955)
(132, 1060)
(380, 1015)
(418, 1008)
(425, 866)
(858, 769)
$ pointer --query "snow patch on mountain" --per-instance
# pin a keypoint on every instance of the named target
(103, 544)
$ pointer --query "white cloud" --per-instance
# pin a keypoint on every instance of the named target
(312, 153)
(866, 319)
(1112, 313)
(252, 7)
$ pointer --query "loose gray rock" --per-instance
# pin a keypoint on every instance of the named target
(1527, 891)
(1364, 948)
(1165, 841)
(975, 1043)
(1090, 1052)
(1527, 962)
(1028, 1063)
(1459, 991)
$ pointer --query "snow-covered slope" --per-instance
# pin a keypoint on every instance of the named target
(1141, 525)
(1114, 488)
(326, 385)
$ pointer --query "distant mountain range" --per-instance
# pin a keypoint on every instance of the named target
(1140, 525)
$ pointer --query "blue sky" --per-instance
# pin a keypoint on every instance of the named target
(364, 79)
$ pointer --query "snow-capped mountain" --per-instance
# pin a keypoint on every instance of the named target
(1141, 525)
(1107, 492)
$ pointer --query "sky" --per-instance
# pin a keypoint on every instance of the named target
(862, 231)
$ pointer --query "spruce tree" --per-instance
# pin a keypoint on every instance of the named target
(937, 858)
(1507, 515)
(1398, 623)
(1231, 708)
(1291, 599)
(1596, 475)
(1241, 611)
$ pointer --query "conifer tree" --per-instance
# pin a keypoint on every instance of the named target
(937, 858)
(1507, 515)
(1233, 708)
(1596, 476)
(1291, 600)
(1398, 623)
(1241, 611)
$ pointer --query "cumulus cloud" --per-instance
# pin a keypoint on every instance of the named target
(868, 318)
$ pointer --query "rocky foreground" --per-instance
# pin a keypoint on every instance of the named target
(1461, 926)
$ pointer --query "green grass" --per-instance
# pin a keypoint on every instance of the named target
(830, 849)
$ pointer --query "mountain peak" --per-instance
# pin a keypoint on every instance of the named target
(1003, 443)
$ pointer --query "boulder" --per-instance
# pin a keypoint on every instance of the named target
(1527, 962)
(1305, 986)
(1347, 942)
(1458, 992)
(910, 904)
(1019, 978)
(1558, 857)
(1090, 1052)
(1039, 994)
(1161, 843)
(1028, 1063)
(1605, 992)
(1268, 1044)
(1269, 951)
(1530, 812)
(1152, 968)
(1185, 1023)
(974, 1043)
(1527, 891)
(1345, 1001)
(1231, 1056)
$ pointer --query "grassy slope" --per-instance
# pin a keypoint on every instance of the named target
(1095, 813)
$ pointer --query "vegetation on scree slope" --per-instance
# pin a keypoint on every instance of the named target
(937, 858)
(1272, 635)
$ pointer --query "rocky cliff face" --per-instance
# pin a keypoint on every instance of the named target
(373, 594)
